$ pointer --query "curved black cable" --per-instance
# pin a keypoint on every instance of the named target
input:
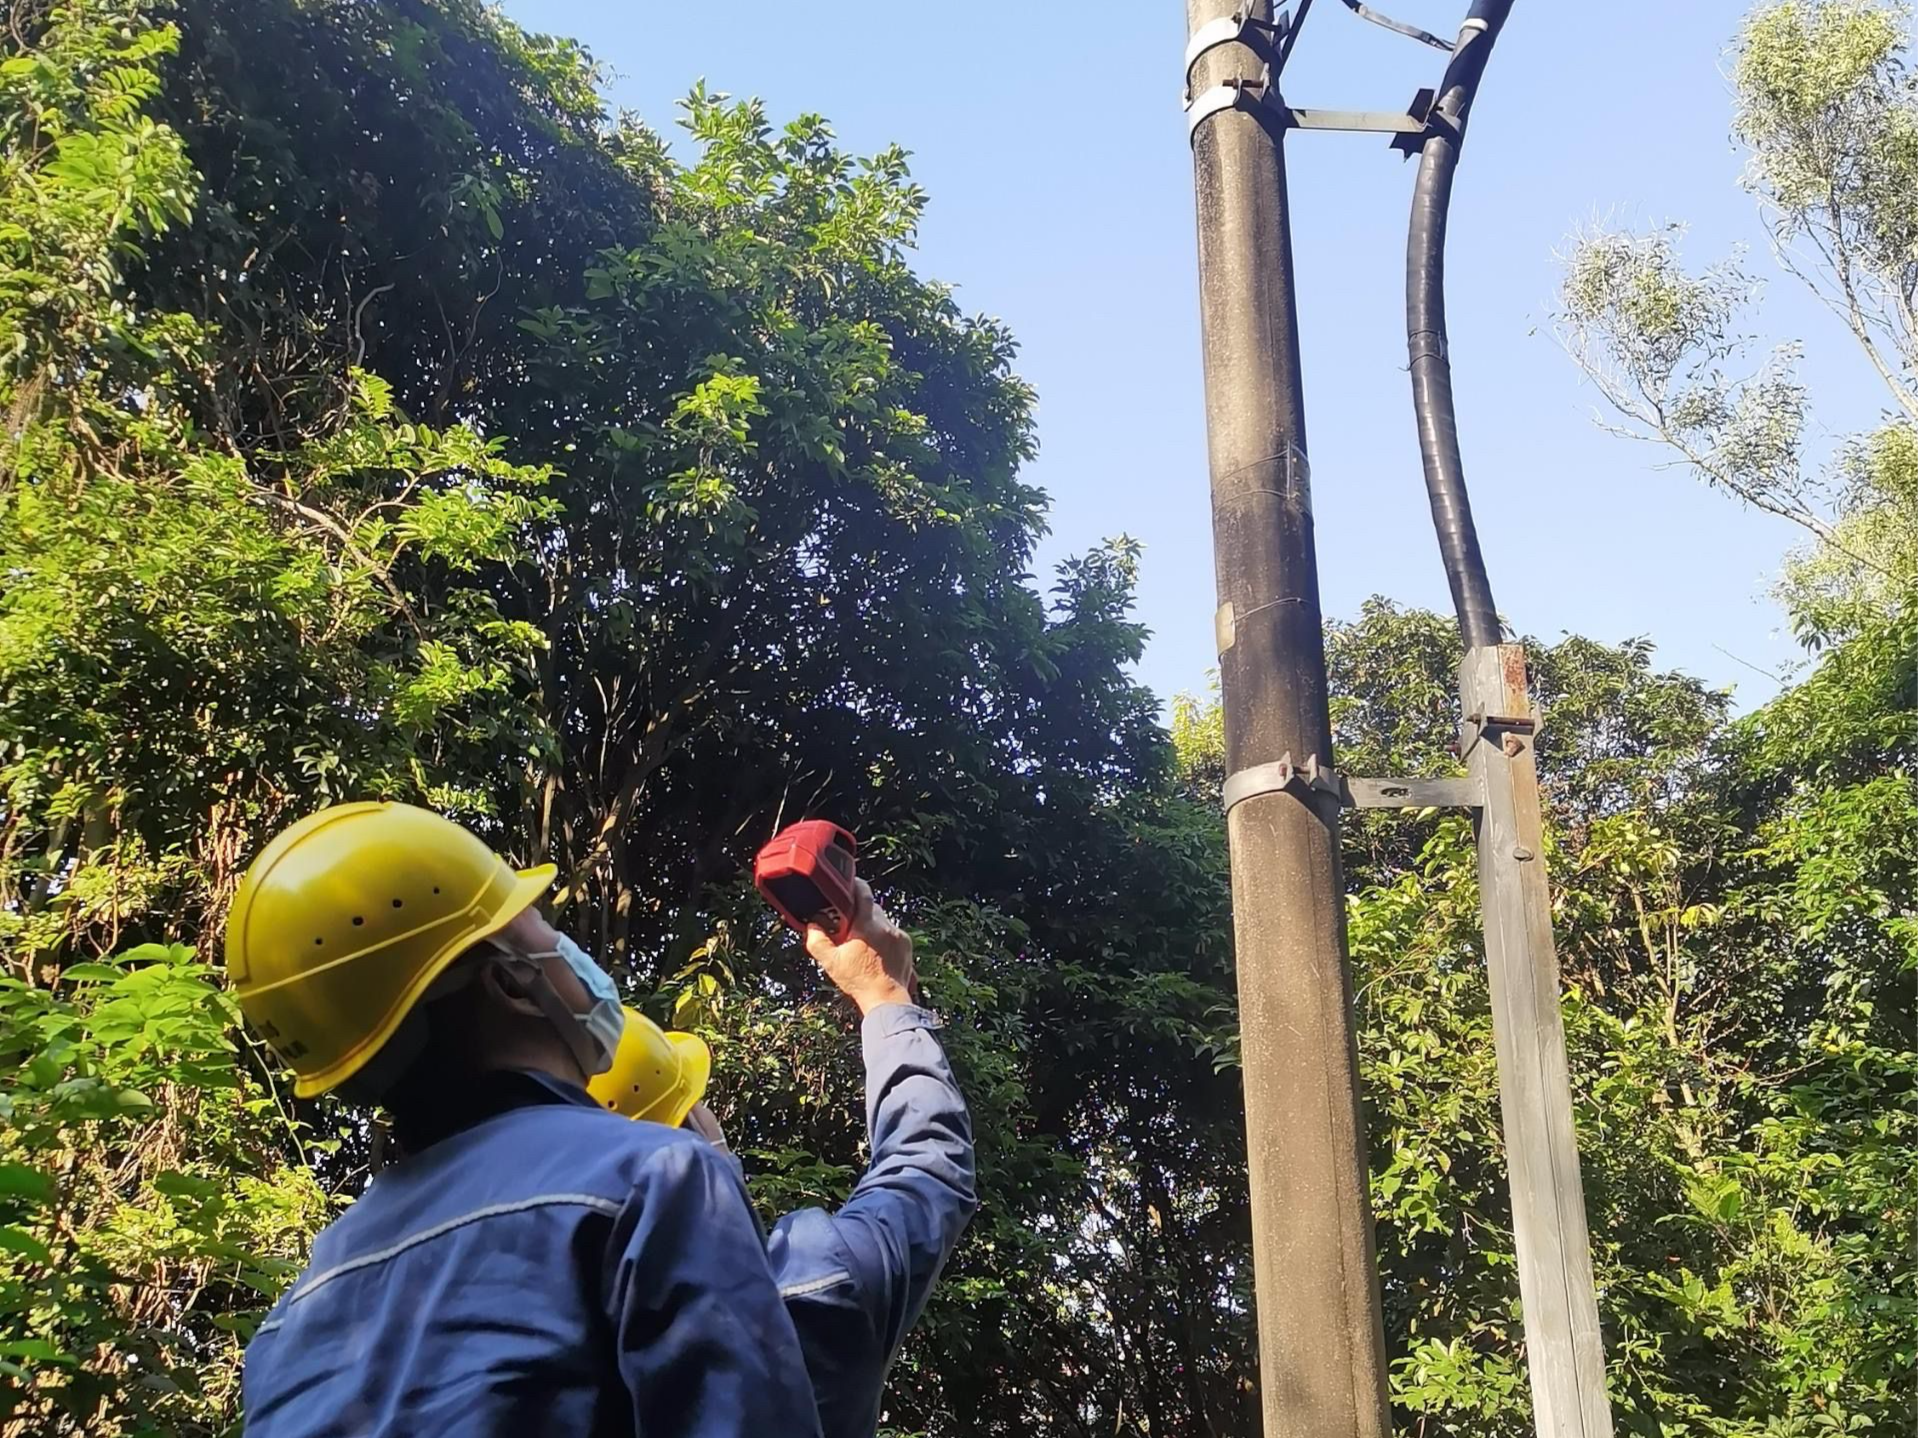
(1425, 326)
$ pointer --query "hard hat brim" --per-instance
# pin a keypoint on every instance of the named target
(695, 1071)
(528, 887)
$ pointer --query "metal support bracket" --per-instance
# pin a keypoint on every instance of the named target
(1285, 777)
(1476, 726)
(1387, 122)
(1412, 794)
(1408, 130)
(1424, 109)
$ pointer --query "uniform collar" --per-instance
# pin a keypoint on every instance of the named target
(488, 1096)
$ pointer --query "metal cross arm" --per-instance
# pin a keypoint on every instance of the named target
(1283, 776)
(1386, 122)
(1262, 97)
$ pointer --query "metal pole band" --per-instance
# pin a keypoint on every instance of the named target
(1208, 37)
(1239, 27)
(1233, 95)
(1281, 776)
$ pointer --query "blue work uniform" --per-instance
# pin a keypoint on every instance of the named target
(547, 1267)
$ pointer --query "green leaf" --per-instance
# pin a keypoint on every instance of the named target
(1730, 1202)
(96, 972)
(156, 953)
(181, 1185)
(20, 1181)
(34, 1348)
(16, 1240)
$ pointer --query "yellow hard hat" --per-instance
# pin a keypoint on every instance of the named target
(655, 1075)
(346, 918)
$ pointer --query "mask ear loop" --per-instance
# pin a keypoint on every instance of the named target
(567, 1023)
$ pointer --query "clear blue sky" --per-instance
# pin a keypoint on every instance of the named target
(1050, 139)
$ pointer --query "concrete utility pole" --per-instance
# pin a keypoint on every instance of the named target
(1321, 1344)
(1321, 1349)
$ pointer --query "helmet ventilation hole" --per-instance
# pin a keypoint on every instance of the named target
(358, 919)
(317, 941)
(399, 903)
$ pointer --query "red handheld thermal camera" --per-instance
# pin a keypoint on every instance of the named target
(806, 873)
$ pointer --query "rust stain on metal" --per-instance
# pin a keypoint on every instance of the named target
(1511, 658)
(1513, 745)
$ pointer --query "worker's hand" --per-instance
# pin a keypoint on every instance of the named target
(874, 966)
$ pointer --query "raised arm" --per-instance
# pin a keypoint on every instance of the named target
(907, 1212)
(856, 1280)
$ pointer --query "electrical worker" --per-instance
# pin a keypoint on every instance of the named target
(535, 1265)
(855, 1280)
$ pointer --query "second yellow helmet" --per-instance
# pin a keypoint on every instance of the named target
(655, 1075)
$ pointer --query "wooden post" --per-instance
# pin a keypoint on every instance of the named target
(1564, 1352)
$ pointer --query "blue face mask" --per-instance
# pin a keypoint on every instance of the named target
(605, 1021)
